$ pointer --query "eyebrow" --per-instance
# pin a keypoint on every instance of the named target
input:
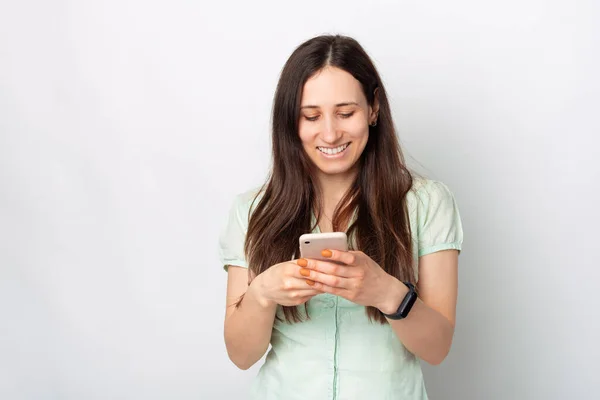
(347, 103)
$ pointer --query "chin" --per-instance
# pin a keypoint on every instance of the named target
(335, 169)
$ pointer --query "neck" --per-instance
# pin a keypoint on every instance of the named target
(334, 187)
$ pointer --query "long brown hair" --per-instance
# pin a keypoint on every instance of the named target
(290, 195)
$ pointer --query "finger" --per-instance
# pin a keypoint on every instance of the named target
(326, 267)
(308, 289)
(344, 257)
(293, 284)
(329, 280)
(294, 272)
(332, 290)
(303, 293)
(298, 297)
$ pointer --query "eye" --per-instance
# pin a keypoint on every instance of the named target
(347, 115)
(312, 119)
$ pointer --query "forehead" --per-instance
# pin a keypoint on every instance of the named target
(332, 86)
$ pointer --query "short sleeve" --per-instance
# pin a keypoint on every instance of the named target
(439, 224)
(233, 237)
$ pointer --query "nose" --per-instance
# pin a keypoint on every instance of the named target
(330, 133)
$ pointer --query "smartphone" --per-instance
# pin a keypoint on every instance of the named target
(311, 244)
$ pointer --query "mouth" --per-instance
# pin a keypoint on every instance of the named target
(333, 151)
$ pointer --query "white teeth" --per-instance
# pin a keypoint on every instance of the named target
(333, 151)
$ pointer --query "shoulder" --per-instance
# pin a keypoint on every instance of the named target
(248, 196)
(432, 206)
(246, 201)
(233, 236)
(425, 193)
(434, 217)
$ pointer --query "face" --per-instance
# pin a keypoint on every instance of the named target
(334, 121)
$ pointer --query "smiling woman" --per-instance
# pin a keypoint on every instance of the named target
(333, 130)
(356, 325)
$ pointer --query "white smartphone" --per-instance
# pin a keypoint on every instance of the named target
(311, 244)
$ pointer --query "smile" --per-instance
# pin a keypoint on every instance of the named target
(332, 151)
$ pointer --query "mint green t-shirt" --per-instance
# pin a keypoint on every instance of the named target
(338, 353)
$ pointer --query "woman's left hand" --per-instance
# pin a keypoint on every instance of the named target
(350, 274)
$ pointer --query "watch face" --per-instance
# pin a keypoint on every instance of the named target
(410, 298)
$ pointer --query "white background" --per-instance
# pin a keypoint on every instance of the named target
(126, 128)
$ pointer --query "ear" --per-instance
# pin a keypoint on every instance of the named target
(375, 107)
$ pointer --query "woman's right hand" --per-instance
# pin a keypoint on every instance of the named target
(282, 284)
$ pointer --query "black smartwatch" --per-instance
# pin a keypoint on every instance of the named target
(406, 303)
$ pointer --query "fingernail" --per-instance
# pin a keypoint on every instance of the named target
(302, 262)
(326, 253)
(311, 283)
(305, 272)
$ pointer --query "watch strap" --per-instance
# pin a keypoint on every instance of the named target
(406, 304)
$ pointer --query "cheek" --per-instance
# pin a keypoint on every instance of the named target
(357, 129)
(305, 133)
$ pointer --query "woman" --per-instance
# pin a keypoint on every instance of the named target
(349, 328)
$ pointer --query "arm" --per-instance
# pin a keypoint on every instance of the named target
(428, 329)
(247, 327)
